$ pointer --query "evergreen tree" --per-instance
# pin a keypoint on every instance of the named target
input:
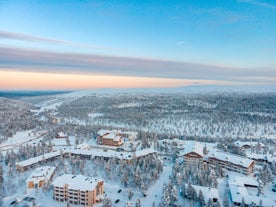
(130, 194)
(201, 198)
(1, 174)
(128, 204)
(106, 202)
(210, 203)
(183, 191)
(138, 203)
(190, 191)
(266, 175)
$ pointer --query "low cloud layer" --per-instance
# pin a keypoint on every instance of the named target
(30, 38)
(53, 62)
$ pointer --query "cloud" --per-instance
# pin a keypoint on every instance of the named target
(45, 61)
(258, 3)
(30, 38)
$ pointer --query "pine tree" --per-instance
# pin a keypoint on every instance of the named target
(107, 202)
(189, 191)
(128, 204)
(266, 175)
(130, 194)
(138, 203)
(210, 203)
(1, 174)
(183, 191)
(201, 198)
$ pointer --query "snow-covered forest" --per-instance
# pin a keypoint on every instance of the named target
(29, 127)
(227, 115)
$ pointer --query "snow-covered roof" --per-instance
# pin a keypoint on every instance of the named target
(115, 136)
(61, 134)
(112, 153)
(41, 173)
(260, 156)
(228, 157)
(239, 192)
(83, 146)
(103, 132)
(253, 144)
(192, 146)
(240, 180)
(206, 191)
(76, 182)
(37, 159)
(86, 152)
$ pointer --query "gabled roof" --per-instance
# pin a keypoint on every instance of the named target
(192, 146)
(61, 134)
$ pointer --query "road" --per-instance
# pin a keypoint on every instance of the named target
(155, 191)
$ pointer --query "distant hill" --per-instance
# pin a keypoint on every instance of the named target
(22, 94)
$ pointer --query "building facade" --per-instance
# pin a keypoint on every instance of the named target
(40, 177)
(78, 189)
(232, 162)
(192, 153)
(112, 139)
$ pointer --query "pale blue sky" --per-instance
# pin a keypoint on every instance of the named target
(236, 36)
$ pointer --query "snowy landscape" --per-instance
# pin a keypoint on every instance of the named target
(138, 148)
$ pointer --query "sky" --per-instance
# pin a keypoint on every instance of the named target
(85, 44)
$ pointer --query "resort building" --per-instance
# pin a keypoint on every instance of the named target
(244, 190)
(231, 162)
(111, 138)
(40, 177)
(192, 153)
(61, 135)
(84, 154)
(207, 192)
(78, 189)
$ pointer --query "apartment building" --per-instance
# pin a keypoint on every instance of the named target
(40, 177)
(192, 153)
(111, 138)
(231, 162)
(78, 189)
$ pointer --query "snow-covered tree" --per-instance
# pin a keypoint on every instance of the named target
(138, 203)
(265, 175)
(1, 174)
(130, 194)
(106, 202)
(201, 198)
(128, 204)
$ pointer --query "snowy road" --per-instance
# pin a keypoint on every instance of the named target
(19, 139)
(155, 192)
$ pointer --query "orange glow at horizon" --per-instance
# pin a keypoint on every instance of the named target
(19, 80)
